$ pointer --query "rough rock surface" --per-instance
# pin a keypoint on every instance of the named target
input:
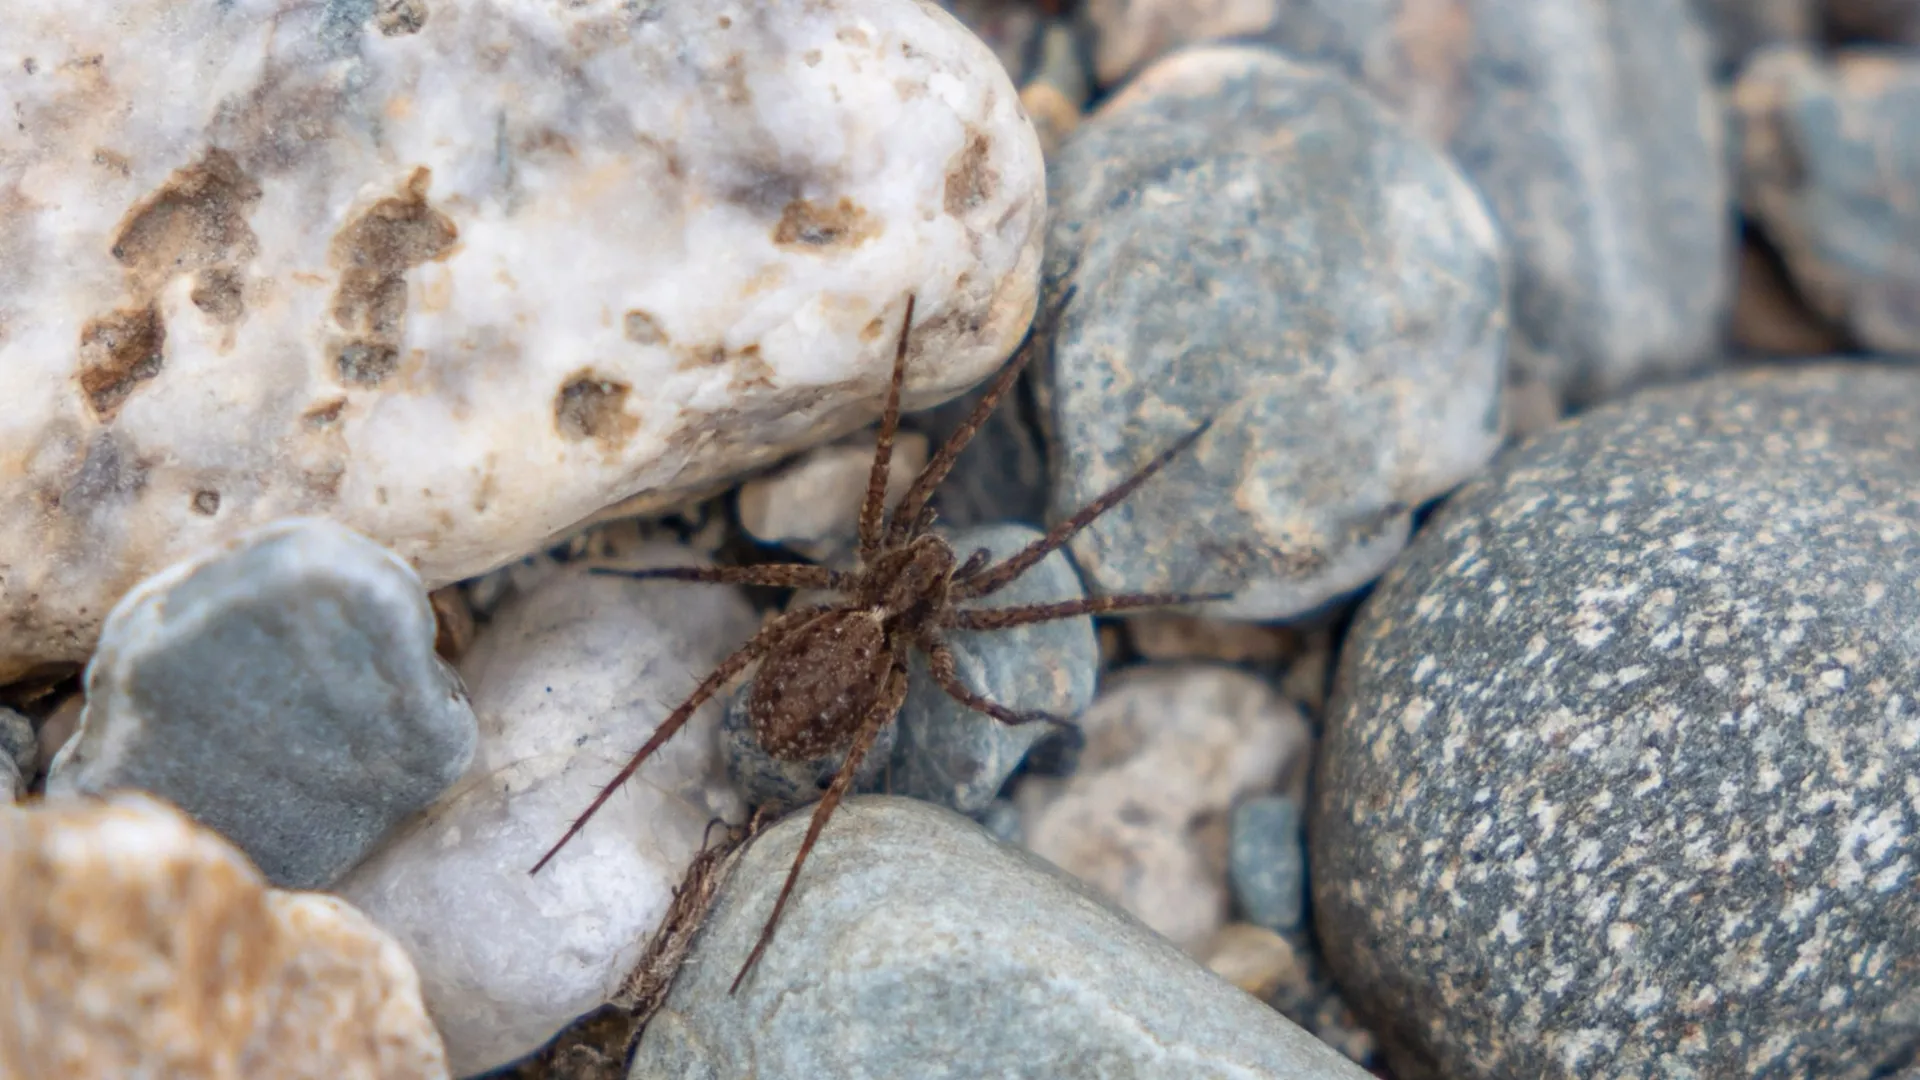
(1596, 137)
(17, 755)
(1259, 243)
(1144, 820)
(138, 944)
(464, 273)
(1828, 154)
(916, 941)
(1620, 775)
(568, 680)
(283, 690)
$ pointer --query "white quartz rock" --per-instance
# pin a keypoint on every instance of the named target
(458, 275)
(567, 681)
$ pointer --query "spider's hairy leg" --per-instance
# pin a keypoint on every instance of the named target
(778, 575)
(884, 708)
(975, 562)
(998, 576)
(941, 663)
(757, 646)
(874, 510)
(1027, 614)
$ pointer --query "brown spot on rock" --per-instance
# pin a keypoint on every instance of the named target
(643, 329)
(374, 253)
(324, 415)
(591, 406)
(118, 352)
(218, 293)
(195, 221)
(874, 328)
(970, 180)
(397, 18)
(805, 224)
(206, 503)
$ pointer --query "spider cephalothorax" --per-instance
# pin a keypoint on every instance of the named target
(833, 675)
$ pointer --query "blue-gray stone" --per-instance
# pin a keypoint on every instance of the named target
(1595, 133)
(17, 753)
(1831, 171)
(283, 691)
(1267, 862)
(1618, 775)
(1260, 243)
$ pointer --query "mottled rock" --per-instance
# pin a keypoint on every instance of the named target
(1267, 861)
(1596, 137)
(138, 944)
(568, 680)
(1169, 751)
(914, 937)
(1738, 27)
(1828, 169)
(813, 505)
(283, 690)
(459, 281)
(1258, 243)
(17, 755)
(1619, 776)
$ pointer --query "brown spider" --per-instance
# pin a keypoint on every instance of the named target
(833, 675)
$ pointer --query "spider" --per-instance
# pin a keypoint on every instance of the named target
(833, 675)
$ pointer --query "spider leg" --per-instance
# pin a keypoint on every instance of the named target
(873, 511)
(755, 647)
(883, 711)
(779, 575)
(1025, 614)
(941, 663)
(972, 566)
(999, 575)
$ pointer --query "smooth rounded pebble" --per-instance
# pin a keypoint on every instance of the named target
(1828, 151)
(459, 275)
(1169, 750)
(1619, 775)
(812, 505)
(18, 752)
(568, 680)
(284, 691)
(136, 943)
(1258, 243)
(1267, 861)
(917, 942)
(1596, 136)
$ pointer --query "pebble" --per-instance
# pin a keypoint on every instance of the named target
(1169, 751)
(1125, 35)
(1257, 242)
(568, 681)
(1770, 318)
(1827, 148)
(1596, 136)
(17, 755)
(138, 944)
(1738, 27)
(283, 690)
(460, 280)
(1173, 636)
(1894, 21)
(1267, 861)
(813, 504)
(915, 937)
(1618, 780)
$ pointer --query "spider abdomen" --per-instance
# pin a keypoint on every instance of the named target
(813, 689)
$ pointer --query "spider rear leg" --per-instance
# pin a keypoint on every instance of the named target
(777, 575)
(940, 662)
(1027, 614)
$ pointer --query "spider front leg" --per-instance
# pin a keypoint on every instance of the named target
(873, 511)
(945, 672)
(1003, 618)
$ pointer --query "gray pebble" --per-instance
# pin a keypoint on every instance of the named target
(1831, 171)
(17, 754)
(916, 944)
(1258, 242)
(282, 690)
(1738, 27)
(1618, 776)
(1267, 862)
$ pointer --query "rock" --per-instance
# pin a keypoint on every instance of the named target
(1169, 751)
(467, 277)
(57, 730)
(1617, 777)
(17, 755)
(813, 504)
(1267, 861)
(1129, 34)
(1258, 243)
(138, 944)
(1172, 636)
(1058, 88)
(1008, 27)
(453, 622)
(1738, 27)
(1253, 958)
(1825, 152)
(1597, 139)
(1770, 318)
(916, 937)
(1873, 20)
(281, 688)
(568, 680)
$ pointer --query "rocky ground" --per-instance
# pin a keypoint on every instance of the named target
(1557, 713)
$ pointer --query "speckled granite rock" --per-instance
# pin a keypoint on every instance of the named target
(1829, 153)
(138, 944)
(1258, 242)
(283, 690)
(1596, 137)
(1619, 777)
(1738, 27)
(568, 679)
(917, 942)
(17, 754)
(464, 273)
